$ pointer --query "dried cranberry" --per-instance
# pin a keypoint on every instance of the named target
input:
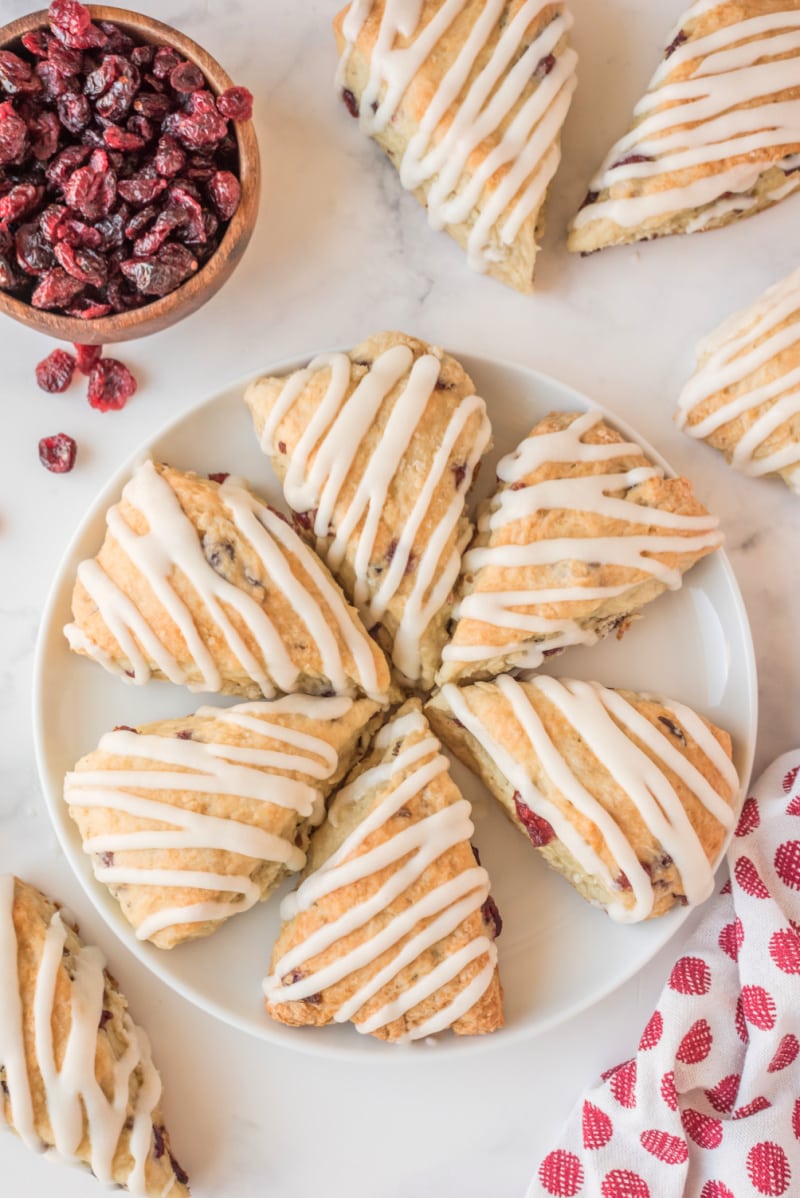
(142, 55)
(113, 104)
(630, 160)
(186, 77)
(350, 102)
(122, 139)
(165, 61)
(86, 356)
(91, 38)
(236, 103)
(544, 66)
(200, 129)
(99, 80)
(677, 41)
(139, 222)
(13, 135)
(57, 453)
(91, 192)
(459, 473)
(33, 253)
(63, 60)
(87, 309)
(117, 41)
(162, 273)
(56, 289)
(83, 264)
(78, 234)
(166, 223)
(44, 129)
(225, 191)
(141, 126)
(69, 16)
(16, 75)
(9, 279)
(62, 166)
(152, 105)
(74, 111)
(54, 82)
(19, 201)
(182, 197)
(111, 385)
(170, 157)
(219, 476)
(54, 373)
(491, 916)
(141, 188)
(538, 828)
(36, 42)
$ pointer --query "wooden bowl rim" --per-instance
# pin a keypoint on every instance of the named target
(166, 310)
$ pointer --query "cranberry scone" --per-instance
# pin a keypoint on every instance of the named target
(716, 137)
(76, 1073)
(193, 820)
(582, 532)
(744, 396)
(392, 926)
(467, 98)
(204, 584)
(628, 796)
(376, 451)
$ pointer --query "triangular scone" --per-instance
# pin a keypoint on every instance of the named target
(76, 1074)
(193, 820)
(583, 531)
(715, 137)
(744, 397)
(629, 796)
(392, 927)
(468, 100)
(204, 584)
(376, 450)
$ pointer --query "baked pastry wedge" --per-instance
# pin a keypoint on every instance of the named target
(203, 584)
(376, 451)
(716, 136)
(628, 796)
(744, 396)
(392, 926)
(467, 98)
(76, 1073)
(193, 820)
(582, 532)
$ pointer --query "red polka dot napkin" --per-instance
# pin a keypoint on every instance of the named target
(709, 1107)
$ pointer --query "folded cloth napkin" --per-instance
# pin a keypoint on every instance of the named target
(710, 1105)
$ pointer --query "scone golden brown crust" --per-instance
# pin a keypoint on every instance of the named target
(716, 136)
(376, 451)
(392, 927)
(628, 796)
(744, 396)
(468, 101)
(191, 821)
(582, 532)
(205, 585)
(76, 1072)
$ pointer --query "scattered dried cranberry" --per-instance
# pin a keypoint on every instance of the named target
(491, 915)
(538, 828)
(57, 453)
(678, 40)
(54, 373)
(350, 102)
(219, 476)
(236, 103)
(86, 356)
(111, 385)
(118, 166)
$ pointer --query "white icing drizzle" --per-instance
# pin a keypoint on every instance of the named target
(527, 149)
(334, 434)
(725, 109)
(172, 543)
(446, 906)
(588, 707)
(197, 768)
(72, 1095)
(591, 494)
(728, 358)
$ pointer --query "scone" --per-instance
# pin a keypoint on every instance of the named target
(582, 532)
(716, 136)
(468, 100)
(392, 926)
(191, 821)
(628, 796)
(376, 450)
(204, 584)
(76, 1074)
(744, 396)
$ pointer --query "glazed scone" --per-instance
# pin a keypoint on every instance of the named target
(76, 1074)
(716, 136)
(744, 396)
(628, 796)
(392, 927)
(206, 585)
(582, 532)
(191, 821)
(376, 451)
(468, 101)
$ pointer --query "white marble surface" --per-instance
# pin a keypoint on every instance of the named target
(340, 252)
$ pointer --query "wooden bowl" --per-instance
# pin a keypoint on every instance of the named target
(159, 313)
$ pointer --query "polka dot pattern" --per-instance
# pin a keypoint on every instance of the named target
(710, 1103)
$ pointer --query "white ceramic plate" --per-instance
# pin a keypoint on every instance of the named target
(557, 955)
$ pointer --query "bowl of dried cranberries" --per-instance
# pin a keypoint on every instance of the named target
(129, 173)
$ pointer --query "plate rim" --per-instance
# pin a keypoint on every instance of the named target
(151, 957)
